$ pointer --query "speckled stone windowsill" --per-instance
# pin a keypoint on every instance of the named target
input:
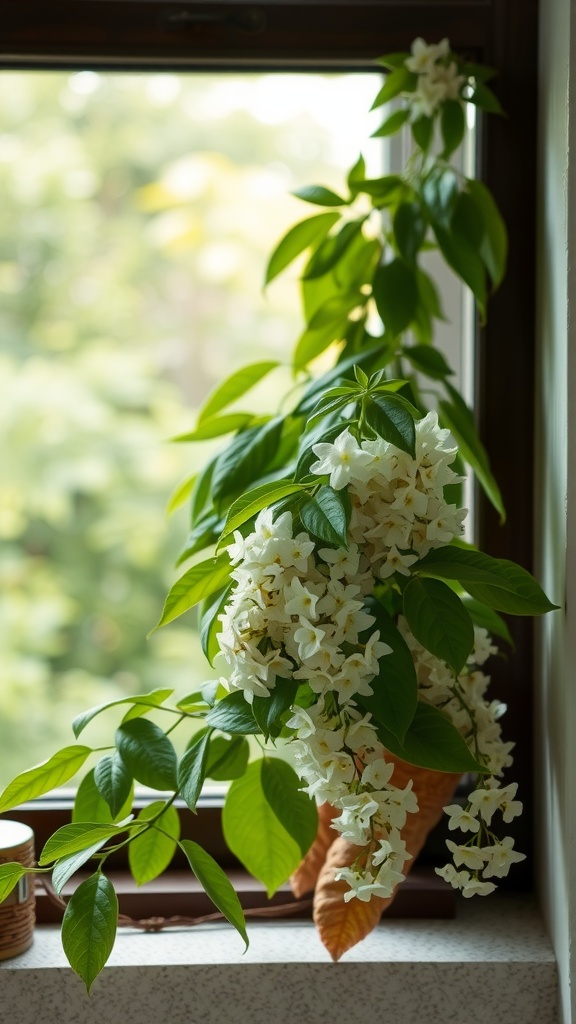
(493, 963)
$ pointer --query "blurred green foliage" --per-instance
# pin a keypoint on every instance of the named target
(138, 212)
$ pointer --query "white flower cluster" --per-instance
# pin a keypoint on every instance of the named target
(438, 78)
(297, 612)
(463, 698)
(398, 508)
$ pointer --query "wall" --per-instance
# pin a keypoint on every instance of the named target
(556, 485)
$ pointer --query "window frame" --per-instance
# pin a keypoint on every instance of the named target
(348, 35)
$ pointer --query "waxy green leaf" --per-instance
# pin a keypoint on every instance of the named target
(245, 459)
(390, 418)
(255, 834)
(319, 195)
(150, 852)
(494, 244)
(269, 711)
(54, 772)
(496, 582)
(233, 714)
(227, 758)
(234, 387)
(192, 769)
(392, 124)
(210, 624)
(409, 230)
(293, 808)
(113, 781)
(253, 501)
(216, 885)
(452, 125)
(395, 687)
(154, 699)
(216, 426)
(326, 516)
(399, 80)
(89, 927)
(297, 239)
(199, 582)
(66, 867)
(148, 753)
(396, 295)
(439, 621)
(77, 836)
(432, 741)
(459, 419)
(10, 875)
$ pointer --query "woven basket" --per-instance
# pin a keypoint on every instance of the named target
(17, 915)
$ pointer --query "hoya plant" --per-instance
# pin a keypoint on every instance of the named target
(346, 623)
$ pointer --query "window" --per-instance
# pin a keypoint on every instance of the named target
(348, 35)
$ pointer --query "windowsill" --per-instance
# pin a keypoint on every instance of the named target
(492, 962)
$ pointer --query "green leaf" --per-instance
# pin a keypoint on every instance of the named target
(319, 195)
(423, 131)
(246, 458)
(293, 808)
(392, 124)
(203, 534)
(432, 741)
(395, 696)
(180, 494)
(439, 621)
(384, 191)
(312, 342)
(216, 885)
(429, 294)
(192, 769)
(459, 419)
(114, 782)
(89, 927)
(233, 714)
(465, 262)
(199, 582)
(10, 875)
(307, 456)
(440, 193)
(255, 834)
(332, 249)
(467, 221)
(66, 867)
(497, 582)
(389, 416)
(154, 699)
(216, 426)
(452, 125)
(356, 174)
(399, 80)
(227, 758)
(393, 60)
(396, 295)
(150, 852)
(428, 360)
(54, 772)
(494, 245)
(484, 98)
(299, 238)
(76, 837)
(234, 387)
(268, 711)
(89, 805)
(253, 501)
(147, 753)
(210, 624)
(409, 230)
(487, 618)
(326, 516)
(201, 493)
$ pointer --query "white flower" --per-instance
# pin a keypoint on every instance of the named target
(343, 460)
(469, 856)
(510, 807)
(397, 562)
(298, 600)
(475, 887)
(500, 857)
(309, 639)
(485, 802)
(377, 774)
(362, 885)
(462, 819)
(424, 56)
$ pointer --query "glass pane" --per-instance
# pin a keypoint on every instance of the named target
(139, 211)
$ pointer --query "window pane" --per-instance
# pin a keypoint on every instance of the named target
(139, 212)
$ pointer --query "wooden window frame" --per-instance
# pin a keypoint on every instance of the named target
(348, 35)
